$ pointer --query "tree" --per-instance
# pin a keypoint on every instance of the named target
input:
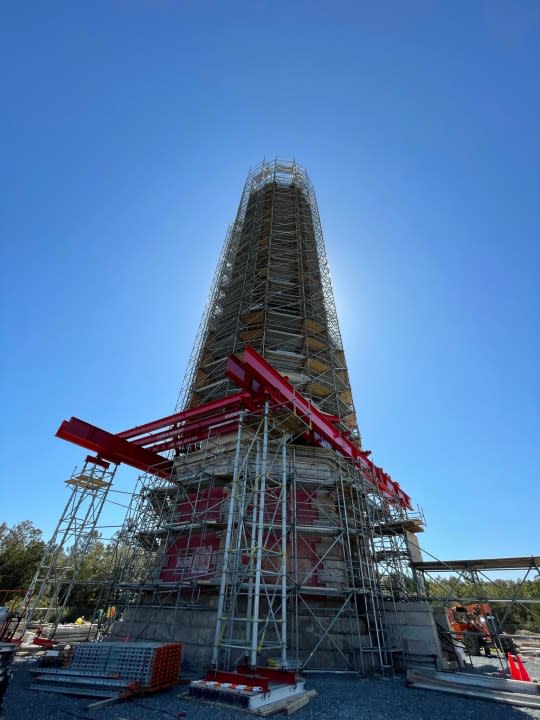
(521, 614)
(95, 571)
(21, 549)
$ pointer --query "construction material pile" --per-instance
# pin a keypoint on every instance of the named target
(68, 632)
(114, 670)
(262, 690)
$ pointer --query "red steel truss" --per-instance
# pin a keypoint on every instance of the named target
(141, 446)
(257, 374)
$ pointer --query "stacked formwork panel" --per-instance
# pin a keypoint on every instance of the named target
(262, 545)
(113, 670)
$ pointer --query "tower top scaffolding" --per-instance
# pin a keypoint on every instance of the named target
(272, 290)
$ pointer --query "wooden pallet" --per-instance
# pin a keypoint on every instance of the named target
(286, 705)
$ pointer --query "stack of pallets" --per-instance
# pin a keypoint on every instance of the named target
(113, 669)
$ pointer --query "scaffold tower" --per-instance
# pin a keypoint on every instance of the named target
(58, 570)
(272, 291)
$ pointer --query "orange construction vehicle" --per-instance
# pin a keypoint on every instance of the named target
(478, 628)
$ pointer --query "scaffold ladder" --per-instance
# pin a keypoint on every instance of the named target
(58, 570)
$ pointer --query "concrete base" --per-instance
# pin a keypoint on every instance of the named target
(411, 625)
(346, 647)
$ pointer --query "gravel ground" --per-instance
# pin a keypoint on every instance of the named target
(496, 664)
(340, 697)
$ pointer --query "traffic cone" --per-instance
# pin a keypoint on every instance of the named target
(523, 672)
(514, 670)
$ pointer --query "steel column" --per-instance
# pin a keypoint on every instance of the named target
(227, 549)
(260, 538)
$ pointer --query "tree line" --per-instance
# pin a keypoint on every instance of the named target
(21, 550)
(521, 614)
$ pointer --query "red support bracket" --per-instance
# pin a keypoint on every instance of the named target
(140, 446)
(276, 675)
(179, 433)
(249, 678)
(216, 406)
(257, 375)
(195, 437)
(98, 461)
(112, 447)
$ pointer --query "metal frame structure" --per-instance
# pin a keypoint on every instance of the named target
(64, 554)
(477, 574)
(258, 505)
(272, 290)
(269, 507)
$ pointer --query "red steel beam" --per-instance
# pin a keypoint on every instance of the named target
(276, 675)
(203, 434)
(259, 379)
(186, 429)
(249, 678)
(113, 448)
(255, 373)
(240, 398)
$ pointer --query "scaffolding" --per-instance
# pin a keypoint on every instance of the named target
(477, 587)
(272, 290)
(57, 573)
(267, 534)
(274, 543)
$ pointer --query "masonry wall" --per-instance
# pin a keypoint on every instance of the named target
(411, 626)
(343, 648)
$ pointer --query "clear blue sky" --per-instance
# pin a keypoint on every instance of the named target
(128, 128)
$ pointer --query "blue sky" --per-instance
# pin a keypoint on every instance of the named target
(128, 129)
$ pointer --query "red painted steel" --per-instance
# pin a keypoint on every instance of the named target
(188, 429)
(140, 446)
(256, 374)
(215, 406)
(113, 448)
(218, 429)
(98, 461)
(275, 675)
(248, 678)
